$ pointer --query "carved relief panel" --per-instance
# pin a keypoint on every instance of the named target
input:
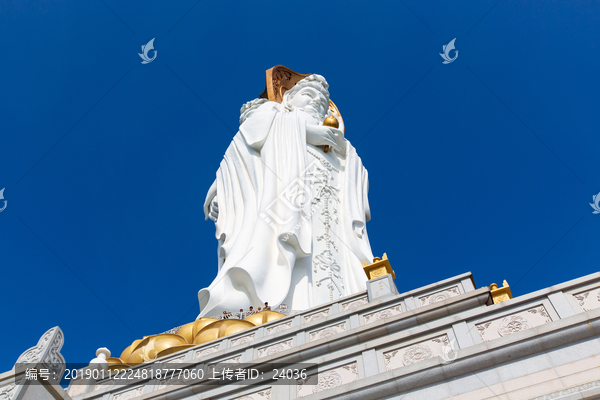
(513, 323)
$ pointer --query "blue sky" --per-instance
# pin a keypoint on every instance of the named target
(486, 164)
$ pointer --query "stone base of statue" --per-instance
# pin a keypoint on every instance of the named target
(445, 340)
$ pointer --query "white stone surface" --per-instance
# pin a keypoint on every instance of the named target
(383, 314)
(129, 394)
(279, 328)
(560, 357)
(513, 323)
(382, 287)
(463, 335)
(101, 355)
(561, 304)
(588, 300)
(242, 340)
(316, 316)
(47, 351)
(439, 296)
(260, 395)
(207, 351)
(327, 332)
(290, 218)
(327, 380)
(176, 360)
(275, 348)
(415, 353)
(355, 303)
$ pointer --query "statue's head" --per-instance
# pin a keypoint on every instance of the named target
(309, 94)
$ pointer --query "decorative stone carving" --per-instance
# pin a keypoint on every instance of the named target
(568, 391)
(207, 351)
(415, 353)
(75, 388)
(589, 300)
(47, 352)
(174, 330)
(262, 395)
(177, 360)
(278, 328)
(326, 380)
(232, 360)
(383, 314)
(316, 316)
(513, 323)
(242, 340)
(354, 304)
(439, 296)
(7, 392)
(316, 202)
(275, 348)
(327, 332)
(130, 394)
(220, 365)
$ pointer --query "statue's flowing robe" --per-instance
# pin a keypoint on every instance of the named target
(265, 222)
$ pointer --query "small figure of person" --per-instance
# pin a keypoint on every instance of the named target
(241, 314)
(225, 315)
(258, 309)
(267, 308)
(251, 310)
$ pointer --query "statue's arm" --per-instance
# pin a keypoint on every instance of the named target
(211, 207)
(319, 135)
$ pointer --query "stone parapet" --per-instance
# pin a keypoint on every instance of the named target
(416, 344)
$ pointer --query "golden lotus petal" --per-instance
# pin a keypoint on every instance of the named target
(263, 317)
(220, 329)
(174, 349)
(187, 331)
(148, 349)
(127, 352)
(200, 323)
(117, 367)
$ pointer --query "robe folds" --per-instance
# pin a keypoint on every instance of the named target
(269, 217)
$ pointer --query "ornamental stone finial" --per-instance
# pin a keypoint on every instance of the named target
(101, 355)
(500, 294)
(46, 353)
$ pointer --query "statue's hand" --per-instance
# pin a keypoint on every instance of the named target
(319, 135)
(214, 209)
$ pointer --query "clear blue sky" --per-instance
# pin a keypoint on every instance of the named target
(486, 164)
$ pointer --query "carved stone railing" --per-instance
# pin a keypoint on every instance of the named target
(244, 314)
(241, 315)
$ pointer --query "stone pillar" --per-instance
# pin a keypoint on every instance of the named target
(382, 287)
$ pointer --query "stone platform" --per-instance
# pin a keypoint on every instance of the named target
(445, 340)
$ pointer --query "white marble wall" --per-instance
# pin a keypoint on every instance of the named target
(357, 343)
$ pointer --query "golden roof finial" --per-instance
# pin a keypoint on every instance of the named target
(500, 294)
(379, 268)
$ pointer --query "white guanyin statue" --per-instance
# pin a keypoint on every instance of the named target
(290, 206)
